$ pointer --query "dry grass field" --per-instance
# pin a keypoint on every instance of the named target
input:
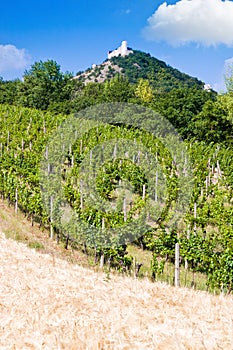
(47, 303)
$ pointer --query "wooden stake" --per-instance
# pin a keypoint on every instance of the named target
(195, 216)
(90, 156)
(115, 152)
(218, 167)
(46, 153)
(81, 194)
(177, 265)
(16, 200)
(156, 187)
(186, 262)
(143, 191)
(51, 217)
(102, 260)
(138, 160)
(102, 253)
(125, 210)
(8, 140)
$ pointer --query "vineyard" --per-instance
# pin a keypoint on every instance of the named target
(43, 179)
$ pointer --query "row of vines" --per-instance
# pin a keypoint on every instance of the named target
(205, 233)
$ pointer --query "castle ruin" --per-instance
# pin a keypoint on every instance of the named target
(123, 51)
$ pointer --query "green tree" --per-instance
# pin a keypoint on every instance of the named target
(180, 106)
(211, 124)
(226, 102)
(87, 95)
(45, 84)
(9, 91)
(118, 89)
(143, 91)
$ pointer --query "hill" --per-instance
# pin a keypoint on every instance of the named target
(47, 303)
(25, 133)
(138, 65)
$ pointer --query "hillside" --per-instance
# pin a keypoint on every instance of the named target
(140, 65)
(208, 216)
(46, 303)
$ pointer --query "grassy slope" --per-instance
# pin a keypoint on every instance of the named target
(47, 303)
(16, 226)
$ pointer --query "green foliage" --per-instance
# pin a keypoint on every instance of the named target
(226, 102)
(36, 245)
(212, 124)
(118, 89)
(204, 120)
(181, 106)
(117, 258)
(44, 84)
(206, 240)
(162, 77)
(9, 91)
(143, 91)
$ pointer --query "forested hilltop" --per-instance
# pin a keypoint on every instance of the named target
(32, 109)
(140, 65)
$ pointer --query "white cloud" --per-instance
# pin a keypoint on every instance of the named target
(126, 11)
(12, 58)
(226, 71)
(205, 22)
(228, 68)
(228, 63)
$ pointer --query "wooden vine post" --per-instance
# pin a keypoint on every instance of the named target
(8, 141)
(81, 195)
(156, 179)
(143, 192)
(177, 265)
(51, 217)
(115, 152)
(195, 217)
(16, 200)
(102, 253)
(125, 209)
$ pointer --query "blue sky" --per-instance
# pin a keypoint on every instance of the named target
(195, 36)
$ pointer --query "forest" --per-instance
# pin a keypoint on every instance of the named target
(32, 111)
